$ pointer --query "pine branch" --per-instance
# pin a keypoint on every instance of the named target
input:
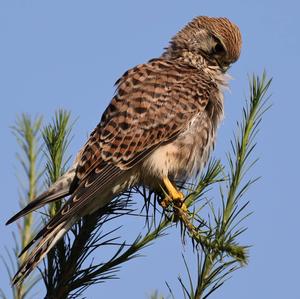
(156, 295)
(27, 133)
(56, 137)
(216, 265)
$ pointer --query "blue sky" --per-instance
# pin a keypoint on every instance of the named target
(69, 54)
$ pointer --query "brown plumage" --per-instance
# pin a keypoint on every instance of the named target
(160, 124)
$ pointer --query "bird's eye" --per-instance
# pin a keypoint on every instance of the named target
(219, 49)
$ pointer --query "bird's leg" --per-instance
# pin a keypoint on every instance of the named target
(174, 196)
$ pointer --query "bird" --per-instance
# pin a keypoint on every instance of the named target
(159, 128)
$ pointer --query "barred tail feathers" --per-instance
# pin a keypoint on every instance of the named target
(64, 186)
(46, 243)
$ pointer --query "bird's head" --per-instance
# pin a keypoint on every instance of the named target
(217, 40)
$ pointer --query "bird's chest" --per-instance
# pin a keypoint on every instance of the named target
(192, 148)
(187, 154)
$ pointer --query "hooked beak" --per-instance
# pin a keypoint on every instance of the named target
(225, 68)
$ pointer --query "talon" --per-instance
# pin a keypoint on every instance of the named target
(165, 202)
(179, 212)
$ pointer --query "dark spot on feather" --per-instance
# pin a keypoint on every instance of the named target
(135, 81)
(124, 125)
(140, 110)
(106, 133)
(121, 92)
(112, 108)
(112, 124)
(127, 83)
(153, 60)
(193, 106)
(128, 153)
(152, 136)
(105, 153)
(174, 127)
(180, 115)
(119, 138)
(118, 81)
(117, 155)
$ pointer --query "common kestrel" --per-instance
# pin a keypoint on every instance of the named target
(160, 127)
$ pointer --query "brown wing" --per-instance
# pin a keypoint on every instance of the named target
(154, 102)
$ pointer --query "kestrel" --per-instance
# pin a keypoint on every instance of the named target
(159, 128)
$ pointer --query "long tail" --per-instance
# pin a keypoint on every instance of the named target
(64, 186)
(48, 240)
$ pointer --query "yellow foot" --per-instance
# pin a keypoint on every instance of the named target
(173, 192)
(184, 207)
(174, 195)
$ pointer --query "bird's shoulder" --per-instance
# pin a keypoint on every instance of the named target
(167, 70)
